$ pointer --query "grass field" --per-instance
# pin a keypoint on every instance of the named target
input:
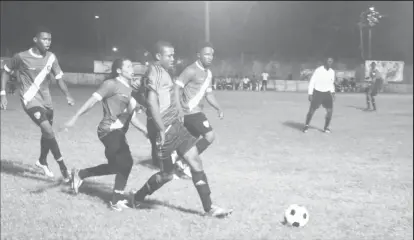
(356, 182)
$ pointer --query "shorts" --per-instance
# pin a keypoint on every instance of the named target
(321, 98)
(40, 114)
(197, 124)
(264, 83)
(117, 150)
(370, 91)
(177, 138)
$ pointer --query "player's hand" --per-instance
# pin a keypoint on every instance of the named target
(3, 102)
(161, 138)
(333, 96)
(310, 98)
(69, 124)
(70, 100)
(220, 114)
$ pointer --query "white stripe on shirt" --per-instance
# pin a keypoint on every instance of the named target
(322, 80)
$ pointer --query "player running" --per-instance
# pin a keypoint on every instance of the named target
(193, 84)
(171, 133)
(321, 91)
(119, 110)
(374, 85)
(33, 68)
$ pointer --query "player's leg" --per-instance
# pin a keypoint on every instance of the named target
(152, 135)
(374, 105)
(190, 153)
(328, 105)
(198, 125)
(368, 98)
(112, 143)
(314, 105)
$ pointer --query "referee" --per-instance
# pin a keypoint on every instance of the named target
(321, 91)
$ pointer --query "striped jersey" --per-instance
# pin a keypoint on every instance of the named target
(159, 81)
(115, 95)
(196, 81)
(32, 71)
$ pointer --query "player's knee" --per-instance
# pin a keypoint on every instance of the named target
(210, 136)
(164, 177)
(329, 112)
(193, 159)
(47, 130)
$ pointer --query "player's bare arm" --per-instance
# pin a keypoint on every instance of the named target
(312, 85)
(211, 99)
(88, 105)
(62, 86)
(155, 113)
(5, 76)
(132, 108)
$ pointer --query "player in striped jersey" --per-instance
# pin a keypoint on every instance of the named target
(171, 135)
(193, 84)
(119, 110)
(33, 68)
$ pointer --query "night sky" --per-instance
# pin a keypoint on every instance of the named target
(287, 29)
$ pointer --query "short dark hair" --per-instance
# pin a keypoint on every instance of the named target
(41, 29)
(203, 45)
(118, 63)
(159, 47)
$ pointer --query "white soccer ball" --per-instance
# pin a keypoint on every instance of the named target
(296, 216)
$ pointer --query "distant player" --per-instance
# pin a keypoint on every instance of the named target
(119, 109)
(171, 134)
(321, 91)
(193, 84)
(33, 68)
(265, 76)
(375, 84)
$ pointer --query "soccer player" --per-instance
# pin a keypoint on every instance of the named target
(193, 84)
(171, 133)
(375, 84)
(119, 110)
(33, 68)
(321, 91)
(265, 76)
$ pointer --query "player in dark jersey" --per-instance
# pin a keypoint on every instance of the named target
(170, 133)
(33, 68)
(193, 84)
(119, 110)
(374, 85)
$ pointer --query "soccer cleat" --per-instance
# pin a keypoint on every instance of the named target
(327, 130)
(134, 203)
(45, 169)
(305, 129)
(218, 212)
(118, 206)
(76, 180)
(65, 175)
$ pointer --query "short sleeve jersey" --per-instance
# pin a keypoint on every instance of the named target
(196, 81)
(116, 97)
(33, 73)
(160, 82)
(376, 79)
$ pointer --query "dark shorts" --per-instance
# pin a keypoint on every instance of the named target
(264, 83)
(40, 114)
(197, 124)
(117, 150)
(371, 91)
(321, 98)
(177, 138)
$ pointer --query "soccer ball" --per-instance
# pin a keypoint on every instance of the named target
(296, 216)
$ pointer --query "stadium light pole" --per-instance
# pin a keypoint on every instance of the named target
(207, 20)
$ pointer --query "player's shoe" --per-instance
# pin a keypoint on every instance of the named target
(66, 175)
(305, 129)
(76, 180)
(218, 212)
(118, 206)
(133, 203)
(327, 130)
(45, 169)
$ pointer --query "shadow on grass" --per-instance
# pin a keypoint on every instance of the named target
(145, 162)
(23, 170)
(298, 126)
(364, 109)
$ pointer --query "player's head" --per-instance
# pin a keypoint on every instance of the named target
(42, 39)
(122, 67)
(205, 54)
(164, 54)
(329, 62)
(373, 65)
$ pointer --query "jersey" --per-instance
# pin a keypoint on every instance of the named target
(33, 74)
(116, 98)
(160, 82)
(196, 81)
(376, 80)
